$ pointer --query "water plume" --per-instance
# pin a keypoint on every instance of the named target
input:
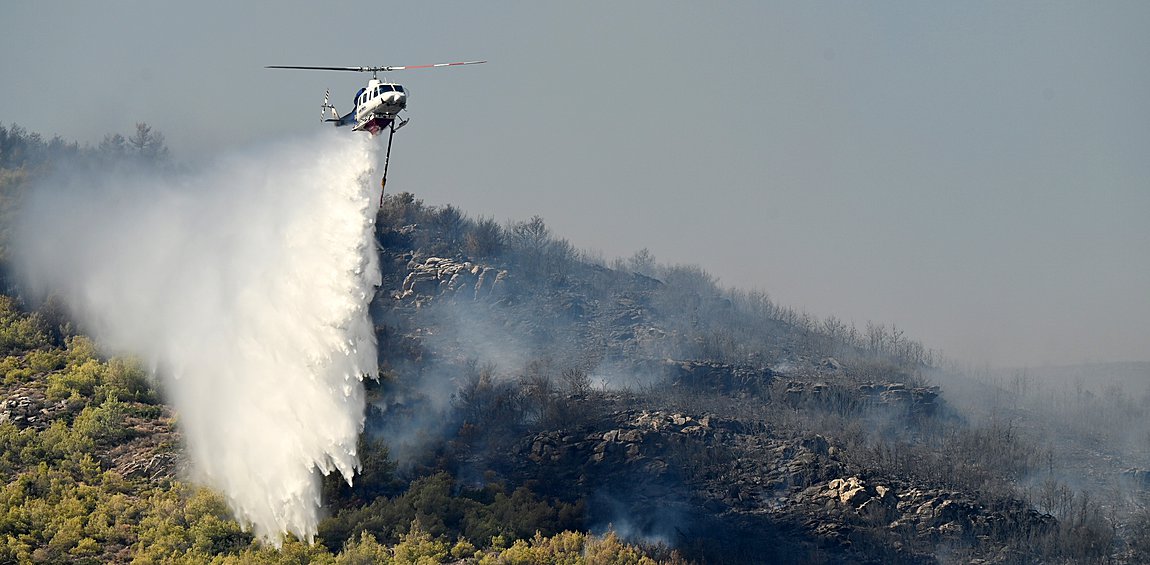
(246, 286)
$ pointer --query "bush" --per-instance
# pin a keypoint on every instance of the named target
(399, 210)
(80, 380)
(417, 547)
(609, 550)
(485, 239)
(449, 223)
(364, 550)
(19, 332)
(126, 379)
(104, 423)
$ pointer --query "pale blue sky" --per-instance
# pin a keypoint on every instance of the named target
(977, 173)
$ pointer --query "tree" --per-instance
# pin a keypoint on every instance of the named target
(450, 222)
(642, 262)
(485, 238)
(17, 146)
(148, 143)
(538, 252)
(114, 145)
(400, 209)
(530, 237)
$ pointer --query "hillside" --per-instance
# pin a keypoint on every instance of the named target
(707, 419)
(538, 404)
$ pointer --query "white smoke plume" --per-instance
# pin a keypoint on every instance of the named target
(246, 287)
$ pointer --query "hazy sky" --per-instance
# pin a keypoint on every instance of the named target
(977, 173)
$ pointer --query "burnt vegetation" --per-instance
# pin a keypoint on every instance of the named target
(712, 420)
(538, 404)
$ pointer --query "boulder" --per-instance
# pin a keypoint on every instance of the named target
(29, 407)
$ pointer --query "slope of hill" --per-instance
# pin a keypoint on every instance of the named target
(95, 464)
(535, 404)
(705, 419)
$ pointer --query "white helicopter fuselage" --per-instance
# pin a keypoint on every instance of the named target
(379, 99)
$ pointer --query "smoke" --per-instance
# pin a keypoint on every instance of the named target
(245, 286)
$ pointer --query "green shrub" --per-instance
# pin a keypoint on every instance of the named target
(78, 380)
(104, 423)
(418, 547)
(126, 379)
(364, 551)
(19, 332)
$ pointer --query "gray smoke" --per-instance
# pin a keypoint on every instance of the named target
(246, 287)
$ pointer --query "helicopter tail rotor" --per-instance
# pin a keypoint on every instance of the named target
(323, 116)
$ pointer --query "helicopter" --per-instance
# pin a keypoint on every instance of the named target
(377, 105)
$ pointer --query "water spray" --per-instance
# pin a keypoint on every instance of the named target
(247, 287)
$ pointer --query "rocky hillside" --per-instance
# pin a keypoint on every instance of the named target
(690, 416)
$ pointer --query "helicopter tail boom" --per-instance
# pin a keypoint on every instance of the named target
(345, 120)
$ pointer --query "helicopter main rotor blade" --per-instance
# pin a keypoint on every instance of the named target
(376, 69)
(431, 66)
(353, 69)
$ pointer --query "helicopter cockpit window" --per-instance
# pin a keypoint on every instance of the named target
(398, 88)
(385, 88)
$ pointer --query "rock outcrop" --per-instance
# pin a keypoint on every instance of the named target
(30, 407)
(438, 276)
